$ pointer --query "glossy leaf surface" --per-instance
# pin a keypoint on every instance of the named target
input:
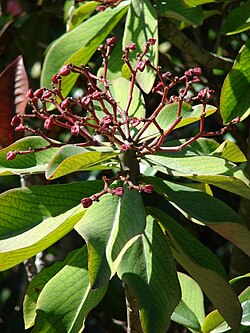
(153, 278)
(81, 14)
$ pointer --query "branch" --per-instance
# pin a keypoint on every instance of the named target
(134, 323)
(182, 42)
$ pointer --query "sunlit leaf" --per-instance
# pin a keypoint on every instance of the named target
(81, 14)
(238, 20)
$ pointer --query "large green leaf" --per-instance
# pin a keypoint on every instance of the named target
(235, 93)
(210, 211)
(190, 311)
(168, 115)
(67, 298)
(207, 169)
(78, 45)
(109, 229)
(36, 286)
(80, 14)
(148, 269)
(28, 163)
(72, 158)
(177, 9)
(34, 218)
(238, 20)
(141, 24)
(204, 267)
(230, 152)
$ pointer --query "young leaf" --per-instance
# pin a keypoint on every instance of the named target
(153, 278)
(36, 217)
(210, 211)
(27, 163)
(66, 300)
(190, 311)
(109, 229)
(235, 93)
(13, 88)
(73, 158)
(81, 14)
(73, 48)
(204, 267)
(141, 24)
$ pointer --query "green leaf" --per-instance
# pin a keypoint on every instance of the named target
(78, 45)
(177, 9)
(211, 211)
(230, 152)
(204, 267)
(141, 24)
(190, 311)
(28, 163)
(81, 14)
(206, 169)
(153, 278)
(238, 20)
(67, 298)
(193, 3)
(168, 115)
(235, 93)
(109, 228)
(72, 158)
(36, 217)
(36, 286)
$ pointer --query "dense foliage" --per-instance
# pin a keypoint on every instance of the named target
(121, 143)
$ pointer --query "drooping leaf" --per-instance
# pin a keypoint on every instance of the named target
(13, 88)
(204, 267)
(109, 229)
(235, 93)
(238, 20)
(81, 14)
(78, 45)
(230, 152)
(168, 115)
(36, 286)
(27, 163)
(190, 311)
(149, 270)
(141, 24)
(207, 169)
(72, 158)
(36, 217)
(66, 300)
(177, 9)
(210, 211)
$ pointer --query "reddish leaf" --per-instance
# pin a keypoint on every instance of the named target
(13, 88)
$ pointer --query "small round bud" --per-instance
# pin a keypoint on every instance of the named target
(110, 41)
(65, 103)
(96, 95)
(148, 188)
(38, 93)
(119, 191)
(85, 100)
(124, 147)
(10, 155)
(131, 47)
(151, 41)
(34, 100)
(86, 202)
(64, 71)
(29, 93)
(47, 94)
(141, 66)
(75, 129)
(55, 78)
(100, 8)
(197, 71)
(202, 95)
(195, 79)
(134, 122)
(107, 120)
(49, 123)
(15, 121)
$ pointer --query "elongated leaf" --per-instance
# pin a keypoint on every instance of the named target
(169, 114)
(177, 9)
(204, 267)
(149, 270)
(28, 163)
(207, 169)
(238, 20)
(81, 14)
(190, 311)
(211, 211)
(13, 88)
(65, 310)
(141, 24)
(230, 152)
(36, 286)
(78, 45)
(193, 3)
(71, 158)
(235, 93)
(109, 229)
(36, 217)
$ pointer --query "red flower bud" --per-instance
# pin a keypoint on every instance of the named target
(65, 103)
(64, 71)
(202, 95)
(15, 121)
(10, 155)
(55, 78)
(96, 95)
(47, 94)
(75, 129)
(107, 120)
(48, 124)
(86, 202)
(195, 79)
(141, 66)
(85, 100)
(20, 128)
(100, 8)
(131, 46)
(124, 147)
(119, 191)
(134, 122)
(29, 93)
(197, 71)
(158, 87)
(38, 93)
(148, 188)
(110, 41)
(151, 41)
